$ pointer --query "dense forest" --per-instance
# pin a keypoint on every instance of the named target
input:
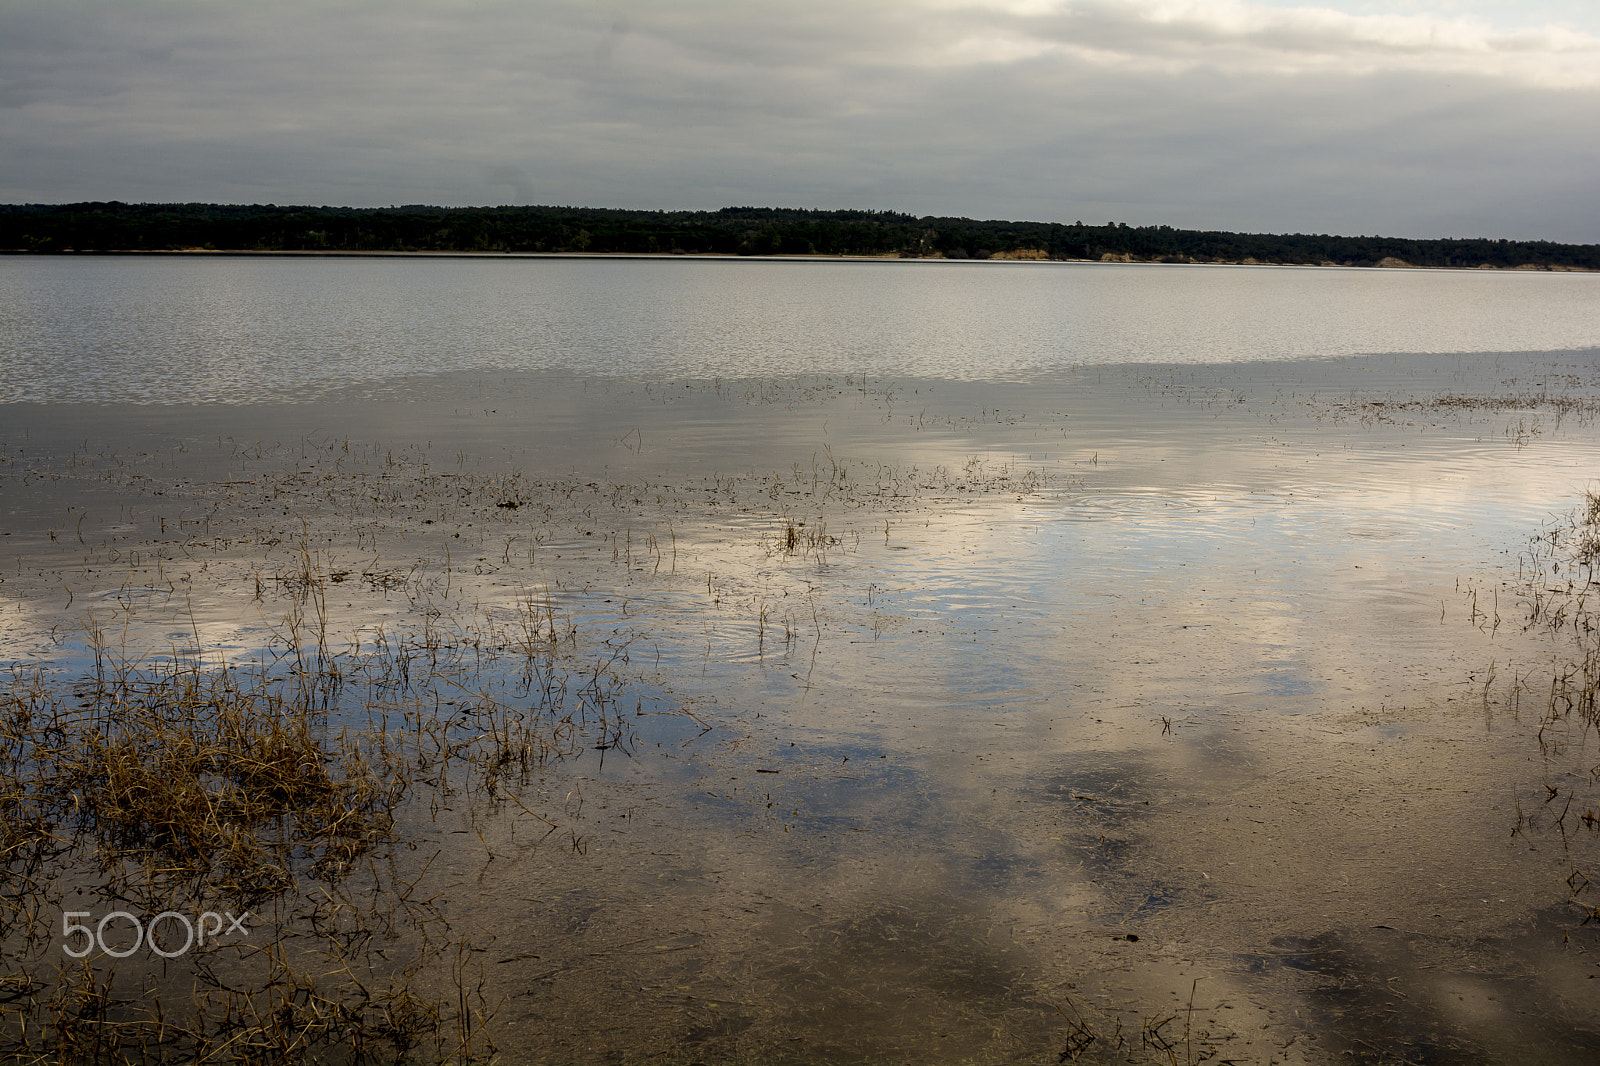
(120, 227)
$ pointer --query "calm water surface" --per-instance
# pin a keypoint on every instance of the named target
(244, 330)
(1160, 645)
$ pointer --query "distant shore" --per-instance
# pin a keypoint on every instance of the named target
(1108, 258)
(734, 232)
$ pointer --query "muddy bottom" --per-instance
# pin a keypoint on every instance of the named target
(1131, 714)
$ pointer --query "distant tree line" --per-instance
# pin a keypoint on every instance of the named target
(113, 226)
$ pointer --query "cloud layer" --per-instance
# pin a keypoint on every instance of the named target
(1193, 112)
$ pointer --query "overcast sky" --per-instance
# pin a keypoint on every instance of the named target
(1406, 117)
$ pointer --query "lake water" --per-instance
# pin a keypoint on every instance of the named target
(1022, 652)
(262, 330)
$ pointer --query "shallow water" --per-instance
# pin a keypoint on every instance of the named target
(1184, 694)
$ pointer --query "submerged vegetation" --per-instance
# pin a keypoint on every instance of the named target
(289, 794)
(453, 799)
(114, 226)
(1560, 589)
(319, 787)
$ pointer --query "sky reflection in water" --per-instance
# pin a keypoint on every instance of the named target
(1192, 652)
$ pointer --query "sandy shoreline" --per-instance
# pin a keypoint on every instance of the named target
(1108, 258)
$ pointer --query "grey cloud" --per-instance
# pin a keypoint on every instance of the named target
(1088, 111)
(520, 184)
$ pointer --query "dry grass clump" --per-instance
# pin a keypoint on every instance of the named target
(282, 789)
(290, 1013)
(170, 788)
(1586, 552)
(796, 539)
(222, 779)
(1561, 586)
